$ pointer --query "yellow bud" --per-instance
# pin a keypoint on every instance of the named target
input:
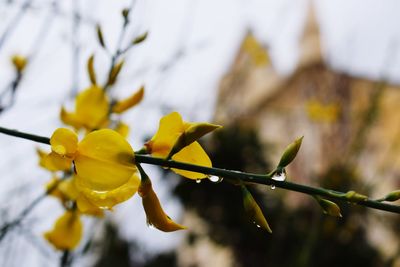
(125, 13)
(129, 102)
(141, 38)
(100, 36)
(290, 153)
(112, 78)
(328, 207)
(91, 72)
(19, 62)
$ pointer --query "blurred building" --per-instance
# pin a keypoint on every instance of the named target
(346, 120)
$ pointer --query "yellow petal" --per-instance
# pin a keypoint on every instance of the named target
(193, 154)
(122, 129)
(67, 231)
(56, 162)
(170, 128)
(129, 102)
(68, 189)
(86, 207)
(108, 199)
(70, 119)
(154, 212)
(52, 189)
(105, 160)
(91, 107)
(42, 156)
(64, 142)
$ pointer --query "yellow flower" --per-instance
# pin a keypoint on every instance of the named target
(91, 110)
(66, 190)
(93, 107)
(155, 214)
(104, 164)
(174, 133)
(67, 231)
(19, 62)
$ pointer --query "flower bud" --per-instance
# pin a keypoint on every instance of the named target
(91, 72)
(393, 196)
(328, 207)
(353, 196)
(141, 38)
(290, 153)
(100, 36)
(254, 211)
(19, 62)
(125, 104)
(194, 132)
(112, 78)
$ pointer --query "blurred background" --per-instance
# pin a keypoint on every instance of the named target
(269, 71)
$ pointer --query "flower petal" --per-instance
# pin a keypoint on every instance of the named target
(67, 231)
(56, 162)
(105, 160)
(170, 128)
(86, 207)
(154, 212)
(193, 154)
(92, 106)
(108, 199)
(64, 142)
(70, 118)
(122, 129)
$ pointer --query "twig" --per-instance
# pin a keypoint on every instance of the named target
(264, 179)
(118, 50)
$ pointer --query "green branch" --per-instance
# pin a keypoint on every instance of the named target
(265, 179)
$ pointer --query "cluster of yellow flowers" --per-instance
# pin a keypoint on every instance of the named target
(99, 171)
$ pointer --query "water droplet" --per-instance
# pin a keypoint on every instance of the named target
(215, 179)
(258, 226)
(272, 186)
(279, 176)
(151, 226)
(198, 181)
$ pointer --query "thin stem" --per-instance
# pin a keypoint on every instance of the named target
(237, 175)
(10, 225)
(118, 52)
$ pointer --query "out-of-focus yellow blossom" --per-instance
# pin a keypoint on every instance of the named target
(127, 103)
(19, 62)
(155, 214)
(91, 110)
(170, 131)
(122, 129)
(320, 112)
(256, 51)
(66, 190)
(67, 231)
(104, 164)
